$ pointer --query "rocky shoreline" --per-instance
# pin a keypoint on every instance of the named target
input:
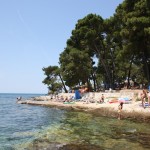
(132, 111)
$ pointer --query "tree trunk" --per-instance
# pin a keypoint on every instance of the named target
(107, 72)
(64, 87)
(105, 66)
(94, 81)
(146, 69)
(129, 72)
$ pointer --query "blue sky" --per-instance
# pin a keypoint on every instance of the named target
(32, 35)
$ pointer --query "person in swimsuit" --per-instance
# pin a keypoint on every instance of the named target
(143, 97)
(120, 107)
(148, 95)
(102, 99)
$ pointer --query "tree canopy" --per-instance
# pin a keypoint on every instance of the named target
(107, 51)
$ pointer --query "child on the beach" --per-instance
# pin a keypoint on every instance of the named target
(120, 107)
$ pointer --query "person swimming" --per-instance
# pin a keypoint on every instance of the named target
(19, 98)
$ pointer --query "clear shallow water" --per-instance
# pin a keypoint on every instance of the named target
(35, 127)
(19, 123)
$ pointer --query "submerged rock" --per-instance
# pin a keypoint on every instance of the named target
(80, 147)
(45, 145)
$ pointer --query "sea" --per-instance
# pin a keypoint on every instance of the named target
(30, 127)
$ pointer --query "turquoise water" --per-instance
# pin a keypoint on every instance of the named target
(27, 127)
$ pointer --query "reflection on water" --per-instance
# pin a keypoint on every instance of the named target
(78, 130)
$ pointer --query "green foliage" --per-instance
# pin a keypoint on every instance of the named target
(121, 44)
(75, 66)
(133, 17)
(52, 79)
